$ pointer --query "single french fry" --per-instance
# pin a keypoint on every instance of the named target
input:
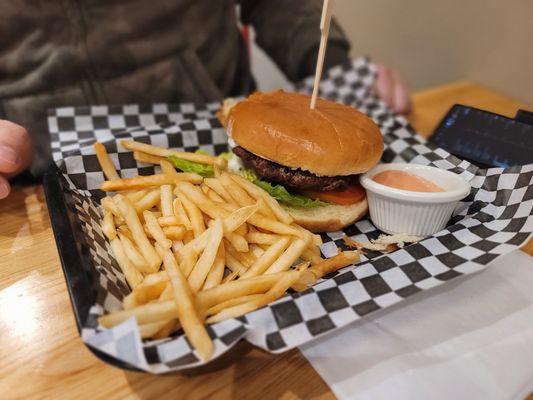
(215, 275)
(145, 314)
(217, 186)
(174, 232)
(274, 226)
(166, 329)
(166, 200)
(129, 301)
(257, 193)
(125, 231)
(146, 158)
(148, 201)
(242, 230)
(169, 221)
(325, 267)
(151, 287)
(179, 212)
(176, 245)
(242, 287)
(108, 225)
(133, 254)
(166, 294)
(188, 316)
(237, 241)
(167, 167)
(108, 204)
(291, 254)
(218, 168)
(133, 276)
(212, 195)
(132, 220)
(162, 152)
(194, 214)
(156, 231)
(198, 275)
(307, 236)
(256, 250)
(275, 292)
(151, 329)
(141, 182)
(200, 200)
(135, 195)
(235, 266)
(268, 257)
(261, 238)
(105, 162)
(239, 195)
(188, 237)
(232, 302)
(188, 261)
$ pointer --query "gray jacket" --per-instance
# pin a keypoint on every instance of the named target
(75, 52)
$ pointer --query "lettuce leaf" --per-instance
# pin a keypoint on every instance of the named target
(191, 166)
(281, 194)
(227, 155)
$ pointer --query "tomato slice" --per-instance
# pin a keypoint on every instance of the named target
(352, 195)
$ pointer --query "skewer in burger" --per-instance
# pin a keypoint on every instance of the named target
(308, 159)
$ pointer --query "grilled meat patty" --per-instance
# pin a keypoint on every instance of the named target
(293, 178)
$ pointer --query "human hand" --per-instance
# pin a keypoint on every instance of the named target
(392, 89)
(16, 153)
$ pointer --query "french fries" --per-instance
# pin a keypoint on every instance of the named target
(198, 250)
(105, 162)
(205, 262)
(141, 182)
(132, 220)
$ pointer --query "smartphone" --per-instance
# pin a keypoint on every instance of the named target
(485, 138)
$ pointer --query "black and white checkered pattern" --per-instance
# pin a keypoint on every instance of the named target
(494, 219)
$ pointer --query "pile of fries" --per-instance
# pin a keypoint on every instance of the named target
(198, 250)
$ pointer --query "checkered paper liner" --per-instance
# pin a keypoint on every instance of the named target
(494, 219)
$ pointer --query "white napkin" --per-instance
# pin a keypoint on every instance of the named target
(469, 339)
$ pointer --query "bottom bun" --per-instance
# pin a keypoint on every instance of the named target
(329, 218)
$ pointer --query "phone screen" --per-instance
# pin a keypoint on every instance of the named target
(485, 138)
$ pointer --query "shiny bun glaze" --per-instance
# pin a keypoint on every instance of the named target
(331, 140)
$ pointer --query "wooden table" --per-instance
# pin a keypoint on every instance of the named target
(42, 356)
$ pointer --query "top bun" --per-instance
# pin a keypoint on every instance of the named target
(331, 140)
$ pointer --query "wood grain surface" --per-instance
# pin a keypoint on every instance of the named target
(42, 356)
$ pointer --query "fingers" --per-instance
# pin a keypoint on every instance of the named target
(16, 150)
(402, 97)
(385, 84)
(392, 89)
(5, 188)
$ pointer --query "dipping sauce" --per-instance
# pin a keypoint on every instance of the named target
(406, 181)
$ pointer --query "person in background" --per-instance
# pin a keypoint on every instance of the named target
(73, 53)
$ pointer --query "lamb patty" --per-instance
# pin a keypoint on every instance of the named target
(295, 179)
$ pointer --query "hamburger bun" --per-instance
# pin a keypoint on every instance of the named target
(329, 218)
(331, 140)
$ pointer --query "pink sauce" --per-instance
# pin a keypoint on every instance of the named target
(406, 181)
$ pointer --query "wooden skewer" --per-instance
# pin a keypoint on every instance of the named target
(324, 32)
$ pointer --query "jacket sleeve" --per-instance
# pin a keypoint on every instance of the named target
(289, 31)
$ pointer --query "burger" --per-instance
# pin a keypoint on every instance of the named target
(308, 159)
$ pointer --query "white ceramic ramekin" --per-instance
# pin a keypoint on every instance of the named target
(413, 213)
